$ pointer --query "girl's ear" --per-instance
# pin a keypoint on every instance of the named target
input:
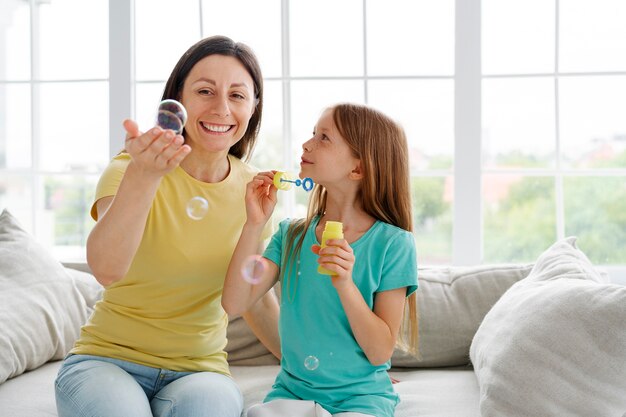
(357, 172)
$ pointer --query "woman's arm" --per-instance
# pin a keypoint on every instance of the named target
(262, 318)
(114, 240)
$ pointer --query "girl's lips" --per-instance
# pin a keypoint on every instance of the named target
(304, 161)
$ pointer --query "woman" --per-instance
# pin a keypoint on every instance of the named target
(155, 343)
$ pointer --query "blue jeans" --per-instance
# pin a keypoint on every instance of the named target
(95, 386)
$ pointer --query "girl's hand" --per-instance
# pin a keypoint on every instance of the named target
(155, 152)
(261, 197)
(338, 257)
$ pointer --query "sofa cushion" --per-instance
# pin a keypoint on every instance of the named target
(452, 302)
(554, 344)
(41, 308)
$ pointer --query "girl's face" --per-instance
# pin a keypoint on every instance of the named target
(326, 157)
(219, 97)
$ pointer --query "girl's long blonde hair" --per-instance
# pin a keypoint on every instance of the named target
(381, 146)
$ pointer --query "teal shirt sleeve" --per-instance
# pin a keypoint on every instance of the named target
(274, 249)
(400, 264)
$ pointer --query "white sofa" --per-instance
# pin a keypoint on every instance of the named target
(545, 339)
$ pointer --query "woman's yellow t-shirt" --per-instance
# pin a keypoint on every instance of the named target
(167, 313)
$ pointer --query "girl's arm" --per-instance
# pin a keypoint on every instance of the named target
(114, 240)
(375, 331)
(238, 294)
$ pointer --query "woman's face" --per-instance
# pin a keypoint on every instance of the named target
(219, 97)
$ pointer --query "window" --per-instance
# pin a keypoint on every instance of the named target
(513, 109)
(356, 57)
(53, 116)
(553, 127)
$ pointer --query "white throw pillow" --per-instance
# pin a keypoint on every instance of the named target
(88, 286)
(555, 343)
(41, 309)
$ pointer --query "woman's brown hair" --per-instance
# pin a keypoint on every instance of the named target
(222, 45)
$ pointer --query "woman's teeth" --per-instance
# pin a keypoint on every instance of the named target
(216, 128)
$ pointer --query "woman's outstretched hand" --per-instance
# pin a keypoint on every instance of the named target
(261, 197)
(155, 152)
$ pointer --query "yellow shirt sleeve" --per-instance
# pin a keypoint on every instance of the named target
(110, 180)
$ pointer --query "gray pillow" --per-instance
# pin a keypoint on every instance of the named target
(41, 308)
(452, 302)
(555, 343)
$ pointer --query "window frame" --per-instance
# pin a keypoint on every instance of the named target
(467, 169)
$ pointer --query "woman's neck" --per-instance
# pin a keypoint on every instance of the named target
(207, 167)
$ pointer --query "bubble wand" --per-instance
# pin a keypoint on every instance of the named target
(283, 181)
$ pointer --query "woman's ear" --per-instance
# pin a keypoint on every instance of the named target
(357, 171)
(255, 103)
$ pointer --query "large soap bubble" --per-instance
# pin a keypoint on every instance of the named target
(172, 115)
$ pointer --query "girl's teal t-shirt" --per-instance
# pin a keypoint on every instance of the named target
(321, 359)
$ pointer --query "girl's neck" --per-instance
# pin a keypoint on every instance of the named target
(347, 211)
(207, 167)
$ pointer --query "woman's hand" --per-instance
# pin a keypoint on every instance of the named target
(261, 198)
(337, 257)
(155, 152)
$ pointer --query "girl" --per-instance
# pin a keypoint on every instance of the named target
(338, 331)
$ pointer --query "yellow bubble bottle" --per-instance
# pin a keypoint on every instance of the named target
(332, 230)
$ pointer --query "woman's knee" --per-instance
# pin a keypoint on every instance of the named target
(198, 395)
(95, 388)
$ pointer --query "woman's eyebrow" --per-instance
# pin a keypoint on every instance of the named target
(212, 82)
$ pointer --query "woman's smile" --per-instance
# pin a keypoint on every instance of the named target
(215, 128)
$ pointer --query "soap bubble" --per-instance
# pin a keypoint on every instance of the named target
(311, 363)
(172, 115)
(197, 208)
(253, 269)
